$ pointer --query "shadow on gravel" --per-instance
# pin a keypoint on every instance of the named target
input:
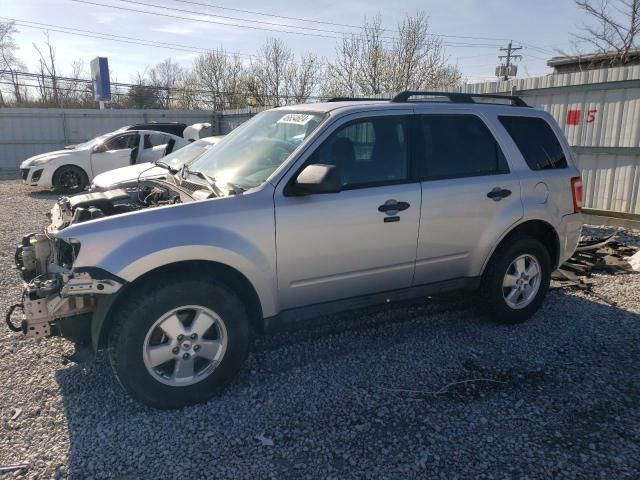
(44, 194)
(395, 392)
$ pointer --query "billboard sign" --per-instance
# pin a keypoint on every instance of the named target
(100, 79)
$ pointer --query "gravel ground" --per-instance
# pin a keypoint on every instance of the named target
(382, 393)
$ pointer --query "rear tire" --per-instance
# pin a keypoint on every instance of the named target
(159, 368)
(70, 179)
(516, 281)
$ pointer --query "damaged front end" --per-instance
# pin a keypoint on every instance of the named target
(56, 298)
(60, 297)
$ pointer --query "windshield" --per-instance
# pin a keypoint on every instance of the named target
(252, 152)
(187, 154)
(94, 141)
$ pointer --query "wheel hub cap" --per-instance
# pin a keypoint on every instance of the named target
(521, 281)
(177, 362)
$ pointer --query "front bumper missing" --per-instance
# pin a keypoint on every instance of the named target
(47, 301)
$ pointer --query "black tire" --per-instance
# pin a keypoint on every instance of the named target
(138, 313)
(70, 179)
(492, 293)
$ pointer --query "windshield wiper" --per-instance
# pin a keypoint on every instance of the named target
(235, 188)
(211, 182)
(166, 166)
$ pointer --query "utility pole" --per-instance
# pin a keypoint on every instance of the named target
(507, 69)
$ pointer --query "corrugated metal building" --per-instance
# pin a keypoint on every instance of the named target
(599, 112)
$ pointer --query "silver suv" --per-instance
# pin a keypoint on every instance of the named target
(301, 211)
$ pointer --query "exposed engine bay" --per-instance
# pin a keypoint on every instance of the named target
(94, 205)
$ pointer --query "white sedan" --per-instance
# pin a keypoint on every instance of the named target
(71, 170)
(126, 176)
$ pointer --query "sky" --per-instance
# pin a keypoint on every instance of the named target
(542, 27)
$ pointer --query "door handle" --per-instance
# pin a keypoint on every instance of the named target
(498, 194)
(391, 207)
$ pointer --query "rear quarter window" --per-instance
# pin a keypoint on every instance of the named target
(536, 141)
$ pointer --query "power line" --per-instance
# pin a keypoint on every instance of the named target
(89, 83)
(234, 18)
(451, 44)
(336, 24)
(118, 38)
(203, 20)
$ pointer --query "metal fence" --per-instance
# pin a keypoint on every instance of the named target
(25, 132)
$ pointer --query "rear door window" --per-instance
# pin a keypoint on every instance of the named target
(536, 141)
(155, 140)
(458, 145)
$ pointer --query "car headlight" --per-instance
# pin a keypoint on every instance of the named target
(40, 161)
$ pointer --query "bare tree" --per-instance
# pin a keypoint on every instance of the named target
(188, 96)
(142, 95)
(417, 59)
(374, 63)
(166, 77)
(341, 74)
(366, 64)
(73, 91)
(54, 88)
(10, 64)
(47, 73)
(615, 26)
(267, 80)
(220, 77)
(303, 78)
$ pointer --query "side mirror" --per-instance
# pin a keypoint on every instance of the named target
(101, 148)
(317, 178)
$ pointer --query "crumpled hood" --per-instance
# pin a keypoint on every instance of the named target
(55, 153)
(128, 174)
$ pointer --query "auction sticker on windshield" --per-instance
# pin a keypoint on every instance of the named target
(296, 118)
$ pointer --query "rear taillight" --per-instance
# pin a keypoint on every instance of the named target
(577, 193)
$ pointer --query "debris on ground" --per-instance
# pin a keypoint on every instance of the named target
(13, 467)
(595, 255)
(265, 441)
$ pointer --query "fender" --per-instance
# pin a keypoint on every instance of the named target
(143, 253)
(235, 231)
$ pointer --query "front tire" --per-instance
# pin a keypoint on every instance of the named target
(516, 281)
(70, 179)
(178, 342)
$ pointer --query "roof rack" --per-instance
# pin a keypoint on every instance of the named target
(459, 97)
(355, 99)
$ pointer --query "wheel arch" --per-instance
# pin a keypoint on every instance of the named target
(107, 307)
(73, 165)
(538, 229)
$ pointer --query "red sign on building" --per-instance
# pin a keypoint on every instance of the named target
(573, 117)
